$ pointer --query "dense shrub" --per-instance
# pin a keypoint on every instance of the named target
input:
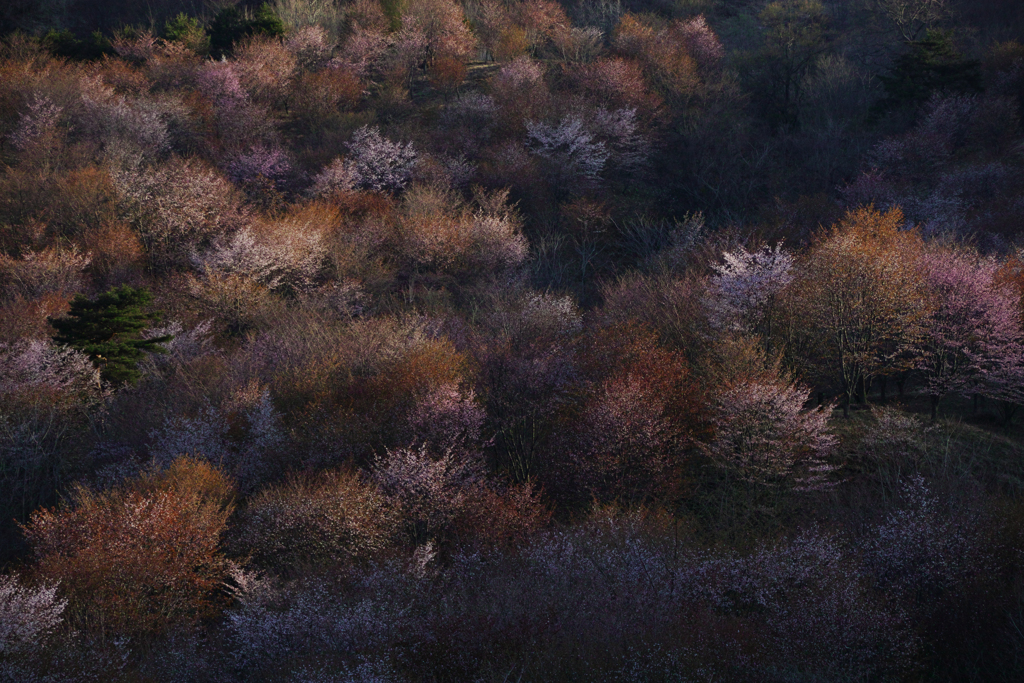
(138, 558)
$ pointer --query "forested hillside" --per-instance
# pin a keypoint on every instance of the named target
(511, 340)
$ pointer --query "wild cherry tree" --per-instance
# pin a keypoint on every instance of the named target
(176, 206)
(28, 614)
(763, 434)
(378, 163)
(630, 437)
(973, 342)
(573, 156)
(742, 292)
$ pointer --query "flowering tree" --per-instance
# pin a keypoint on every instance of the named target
(27, 614)
(441, 232)
(443, 26)
(378, 163)
(701, 42)
(447, 419)
(626, 443)
(125, 130)
(36, 124)
(764, 435)
(818, 613)
(430, 490)
(544, 21)
(922, 551)
(52, 270)
(619, 129)
(175, 206)
(311, 47)
(244, 436)
(260, 162)
(574, 157)
(519, 91)
(279, 256)
(238, 120)
(338, 178)
(320, 520)
(743, 290)
(664, 53)
(617, 82)
(973, 341)
(36, 364)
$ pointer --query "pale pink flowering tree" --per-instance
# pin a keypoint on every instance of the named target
(219, 82)
(203, 435)
(310, 46)
(135, 48)
(922, 551)
(522, 73)
(520, 91)
(176, 206)
(378, 163)
(336, 178)
(272, 623)
(263, 439)
(819, 615)
(27, 614)
(701, 42)
(444, 27)
(974, 342)
(447, 418)
(431, 490)
(261, 163)
(327, 519)
(39, 121)
(619, 130)
(362, 53)
(37, 364)
(250, 456)
(573, 154)
(764, 436)
(406, 53)
(741, 293)
(124, 130)
(239, 121)
(625, 443)
(185, 345)
(617, 82)
(278, 256)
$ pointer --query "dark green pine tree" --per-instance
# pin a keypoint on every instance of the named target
(107, 329)
(932, 64)
(232, 25)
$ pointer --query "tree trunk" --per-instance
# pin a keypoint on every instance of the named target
(882, 382)
(935, 406)
(862, 391)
